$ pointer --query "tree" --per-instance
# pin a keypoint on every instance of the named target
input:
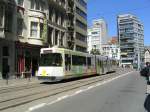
(44, 32)
(95, 52)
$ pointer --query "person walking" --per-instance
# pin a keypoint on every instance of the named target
(148, 72)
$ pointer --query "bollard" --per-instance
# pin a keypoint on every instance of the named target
(7, 78)
(29, 77)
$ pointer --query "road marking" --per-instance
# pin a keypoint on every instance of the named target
(62, 97)
(37, 107)
(98, 84)
(75, 93)
(79, 91)
(90, 87)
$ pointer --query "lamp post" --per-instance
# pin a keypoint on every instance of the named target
(95, 57)
(139, 60)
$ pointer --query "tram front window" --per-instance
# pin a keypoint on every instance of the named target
(51, 59)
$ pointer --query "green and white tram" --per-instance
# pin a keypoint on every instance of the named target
(59, 63)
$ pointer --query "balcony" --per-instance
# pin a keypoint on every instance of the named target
(70, 10)
(127, 46)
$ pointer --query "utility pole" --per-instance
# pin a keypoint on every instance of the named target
(139, 62)
(95, 58)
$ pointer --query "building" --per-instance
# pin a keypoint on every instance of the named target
(8, 12)
(97, 35)
(131, 40)
(111, 49)
(28, 25)
(80, 25)
(147, 54)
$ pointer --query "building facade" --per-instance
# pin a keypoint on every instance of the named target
(97, 35)
(8, 12)
(131, 40)
(147, 54)
(28, 25)
(80, 25)
(111, 49)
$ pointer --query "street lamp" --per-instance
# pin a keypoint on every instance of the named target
(95, 57)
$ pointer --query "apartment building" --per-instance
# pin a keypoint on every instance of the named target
(80, 25)
(28, 25)
(131, 40)
(97, 35)
(111, 49)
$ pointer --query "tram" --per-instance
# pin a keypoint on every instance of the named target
(57, 64)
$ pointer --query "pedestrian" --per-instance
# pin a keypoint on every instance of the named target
(148, 72)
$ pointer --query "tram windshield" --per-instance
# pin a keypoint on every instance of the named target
(51, 59)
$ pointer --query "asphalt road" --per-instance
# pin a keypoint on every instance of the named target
(126, 94)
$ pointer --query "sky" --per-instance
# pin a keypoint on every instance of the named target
(109, 9)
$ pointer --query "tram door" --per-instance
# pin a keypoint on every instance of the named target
(5, 68)
(67, 62)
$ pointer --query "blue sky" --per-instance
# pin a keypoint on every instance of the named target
(109, 9)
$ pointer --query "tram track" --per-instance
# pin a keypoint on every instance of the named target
(20, 100)
(6, 90)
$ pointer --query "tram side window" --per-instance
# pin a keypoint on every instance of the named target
(78, 60)
(51, 59)
(67, 62)
(89, 61)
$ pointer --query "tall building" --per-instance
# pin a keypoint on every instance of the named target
(97, 35)
(131, 40)
(80, 25)
(28, 25)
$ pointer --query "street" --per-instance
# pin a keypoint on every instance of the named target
(126, 94)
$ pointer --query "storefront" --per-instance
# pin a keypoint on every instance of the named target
(27, 58)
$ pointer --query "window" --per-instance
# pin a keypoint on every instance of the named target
(78, 60)
(37, 5)
(67, 62)
(20, 2)
(1, 15)
(51, 59)
(34, 29)
(81, 25)
(41, 29)
(19, 26)
(89, 61)
(9, 19)
(32, 4)
(81, 13)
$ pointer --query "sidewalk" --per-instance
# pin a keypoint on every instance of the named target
(18, 82)
(25, 81)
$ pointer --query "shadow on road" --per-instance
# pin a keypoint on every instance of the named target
(147, 103)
